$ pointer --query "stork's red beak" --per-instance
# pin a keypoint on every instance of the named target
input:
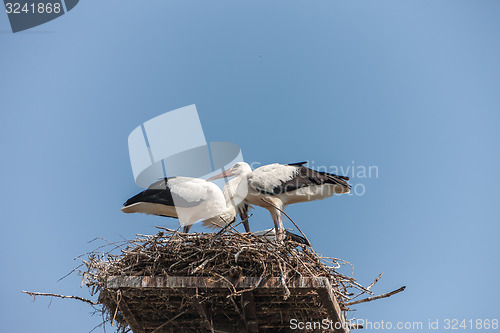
(226, 173)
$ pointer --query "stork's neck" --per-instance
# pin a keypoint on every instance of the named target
(234, 191)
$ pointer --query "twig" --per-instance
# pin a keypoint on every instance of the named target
(375, 281)
(283, 282)
(118, 300)
(369, 299)
(34, 294)
(74, 269)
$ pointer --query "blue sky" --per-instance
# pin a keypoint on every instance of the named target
(412, 87)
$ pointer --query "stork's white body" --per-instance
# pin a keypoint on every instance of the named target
(275, 186)
(188, 199)
(263, 180)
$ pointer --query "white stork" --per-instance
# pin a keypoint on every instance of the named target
(188, 199)
(275, 186)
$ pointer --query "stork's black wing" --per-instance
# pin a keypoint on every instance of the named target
(309, 177)
(160, 193)
(297, 164)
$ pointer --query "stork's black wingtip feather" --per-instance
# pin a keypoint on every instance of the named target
(296, 238)
(297, 164)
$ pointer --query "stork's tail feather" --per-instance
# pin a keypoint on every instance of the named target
(211, 225)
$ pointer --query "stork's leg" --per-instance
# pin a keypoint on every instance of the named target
(246, 225)
(244, 217)
(186, 228)
(278, 225)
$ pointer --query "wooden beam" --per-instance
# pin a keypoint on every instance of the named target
(204, 313)
(250, 315)
(129, 316)
(331, 305)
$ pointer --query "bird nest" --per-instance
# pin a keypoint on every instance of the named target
(224, 258)
(220, 282)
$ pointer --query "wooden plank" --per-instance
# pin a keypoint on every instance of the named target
(193, 282)
(248, 305)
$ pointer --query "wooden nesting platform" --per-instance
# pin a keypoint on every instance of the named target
(201, 304)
